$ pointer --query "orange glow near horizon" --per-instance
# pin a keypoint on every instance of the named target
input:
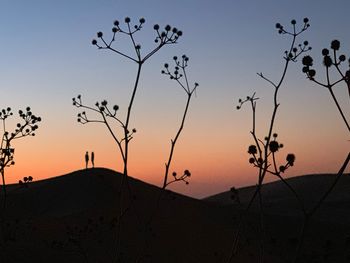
(214, 167)
(226, 43)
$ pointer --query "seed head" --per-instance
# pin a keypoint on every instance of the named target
(187, 173)
(342, 58)
(312, 73)
(252, 149)
(273, 146)
(325, 52)
(290, 159)
(307, 61)
(335, 44)
(327, 61)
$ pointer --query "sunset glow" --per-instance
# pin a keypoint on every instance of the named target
(47, 59)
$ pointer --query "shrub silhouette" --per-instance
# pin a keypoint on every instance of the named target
(334, 61)
(263, 151)
(27, 126)
(25, 182)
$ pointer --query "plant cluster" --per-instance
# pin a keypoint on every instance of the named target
(26, 127)
(263, 151)
(168, 36)
(331, 59)
(179, 75)
(25, 181)
(118, 127)
(108, 115)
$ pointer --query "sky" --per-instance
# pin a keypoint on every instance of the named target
(46, 59)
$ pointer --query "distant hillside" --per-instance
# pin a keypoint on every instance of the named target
(277, 198)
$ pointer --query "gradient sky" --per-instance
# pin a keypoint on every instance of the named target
(46, 58)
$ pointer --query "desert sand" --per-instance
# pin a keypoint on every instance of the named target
(73, 218)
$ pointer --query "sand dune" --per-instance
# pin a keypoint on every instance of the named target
(85, 205)
(72, 218)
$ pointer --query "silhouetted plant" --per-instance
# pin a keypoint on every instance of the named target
(25, 182)
(164, 37)
(180, 76)
(169, 35)
(263, 151)
(335, 61)
(26, 127)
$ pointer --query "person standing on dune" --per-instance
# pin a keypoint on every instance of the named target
(86, 160)
(93, 159)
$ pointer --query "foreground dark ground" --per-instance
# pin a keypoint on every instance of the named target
(73, 218)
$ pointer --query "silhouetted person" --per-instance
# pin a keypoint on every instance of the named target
(86, 159)
(93, 159)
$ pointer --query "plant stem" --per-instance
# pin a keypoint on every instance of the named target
(125, 180)
(3, 187)
(173, 142)
(339, 108)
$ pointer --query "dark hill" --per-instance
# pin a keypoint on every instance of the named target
(75, 218)
(278, 199)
